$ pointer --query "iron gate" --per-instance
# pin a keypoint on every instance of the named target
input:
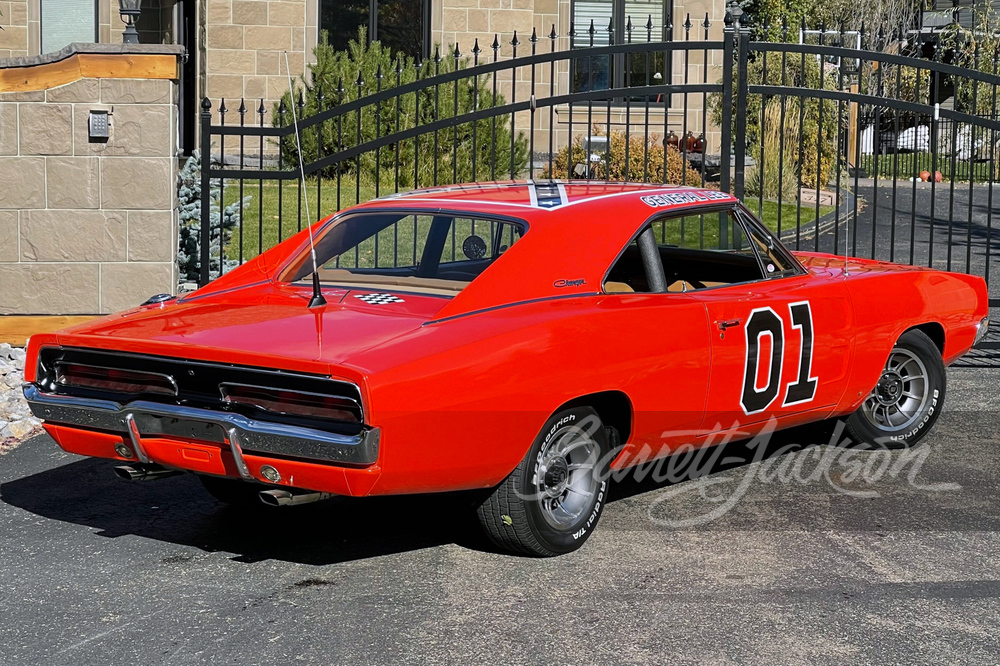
(827, 143)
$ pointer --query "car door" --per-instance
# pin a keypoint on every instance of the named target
(781, 343)
(655, 342)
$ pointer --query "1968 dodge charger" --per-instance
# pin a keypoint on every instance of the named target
(520, 338)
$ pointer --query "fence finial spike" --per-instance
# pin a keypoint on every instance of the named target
(456, 54)
(399, 64)
(496, 43)
(707, 24)
(534, 36)
(628, 25)
(475, 48)
(360, 81)
(437, 53)
(649, 23)
(514, 41)
(243, 107)
(687, 23)
(260, 109)
(222, 105)
(340, 85)
(592, 29)
(552, 33)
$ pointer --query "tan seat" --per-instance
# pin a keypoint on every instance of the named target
(617, 288)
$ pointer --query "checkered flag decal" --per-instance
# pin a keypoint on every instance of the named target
(379, 299)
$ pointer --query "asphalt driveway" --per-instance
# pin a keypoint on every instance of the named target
(819, 556)
(963, 234)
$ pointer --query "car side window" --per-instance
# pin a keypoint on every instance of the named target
(710, 249)
(776, 260)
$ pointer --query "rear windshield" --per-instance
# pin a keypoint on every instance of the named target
(426, 252)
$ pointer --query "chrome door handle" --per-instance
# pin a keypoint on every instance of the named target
(723, 324)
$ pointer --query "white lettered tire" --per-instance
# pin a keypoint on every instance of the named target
(551, 503)
(908, 398)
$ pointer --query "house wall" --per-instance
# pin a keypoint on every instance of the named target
(86, 226)
(465, 21)
(21, 22)
(245, 45)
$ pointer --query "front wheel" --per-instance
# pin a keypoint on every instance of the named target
(908, 398)
(551, 502)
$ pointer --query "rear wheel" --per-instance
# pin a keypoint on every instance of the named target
(234, 492)
(907, 399)
(552, 501)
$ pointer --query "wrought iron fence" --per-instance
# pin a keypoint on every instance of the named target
(827, 143)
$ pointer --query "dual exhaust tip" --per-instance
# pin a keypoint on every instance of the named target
(270, 497)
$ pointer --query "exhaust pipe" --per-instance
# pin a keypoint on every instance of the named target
(280, 497)
(144, 472)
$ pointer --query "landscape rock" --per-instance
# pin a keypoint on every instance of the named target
(16, 421)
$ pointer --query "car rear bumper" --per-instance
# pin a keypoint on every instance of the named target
(141, 419)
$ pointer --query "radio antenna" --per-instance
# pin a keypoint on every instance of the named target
(317, 299)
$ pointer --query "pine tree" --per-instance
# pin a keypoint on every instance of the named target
(189, 236)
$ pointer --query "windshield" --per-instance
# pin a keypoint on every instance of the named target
(440, 252)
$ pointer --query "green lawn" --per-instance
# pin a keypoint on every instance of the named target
(789, 214)
(908, 165)
(263, 226)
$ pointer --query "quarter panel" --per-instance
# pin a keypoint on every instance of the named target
(463, 412)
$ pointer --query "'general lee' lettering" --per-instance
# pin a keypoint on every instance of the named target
(672, 198)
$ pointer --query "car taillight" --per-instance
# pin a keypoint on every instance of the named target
(297, 403)
(113, 380)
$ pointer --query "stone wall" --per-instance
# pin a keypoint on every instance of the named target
(245, 45)
(86, 226)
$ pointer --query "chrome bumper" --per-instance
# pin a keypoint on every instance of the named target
(143, 418)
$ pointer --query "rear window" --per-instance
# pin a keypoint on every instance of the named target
(440, 252)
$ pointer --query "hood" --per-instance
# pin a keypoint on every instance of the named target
(264, 325)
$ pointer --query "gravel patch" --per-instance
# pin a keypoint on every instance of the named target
(16, 422)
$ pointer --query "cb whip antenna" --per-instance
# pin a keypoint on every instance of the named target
(317, 299)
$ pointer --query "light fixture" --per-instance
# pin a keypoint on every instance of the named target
(129, 10)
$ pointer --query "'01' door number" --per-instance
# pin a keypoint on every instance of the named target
(765, 322)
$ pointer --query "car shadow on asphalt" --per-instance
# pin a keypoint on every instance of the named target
(178, 510)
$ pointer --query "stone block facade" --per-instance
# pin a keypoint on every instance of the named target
(87, 226)
(245, 46)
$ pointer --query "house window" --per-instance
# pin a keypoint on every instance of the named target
(636, 69)
(403, 26)
(67, 21)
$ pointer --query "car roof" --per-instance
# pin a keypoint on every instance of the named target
(576, 229)
(532, 200)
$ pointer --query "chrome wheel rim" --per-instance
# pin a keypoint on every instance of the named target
(901, 393)
(565, 479)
